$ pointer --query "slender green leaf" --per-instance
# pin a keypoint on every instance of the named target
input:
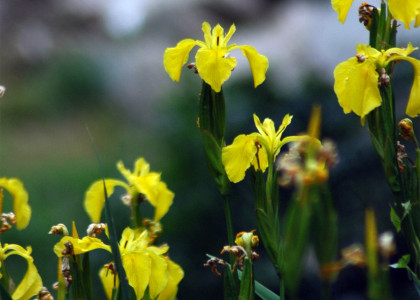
(246, 291)
(113, 239)
(263, 292)
(298, 224)
(395, 220)
(230, 286)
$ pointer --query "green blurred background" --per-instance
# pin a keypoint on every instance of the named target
(74, 67)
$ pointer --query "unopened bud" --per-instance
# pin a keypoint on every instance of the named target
(405, 127)
(59, 229)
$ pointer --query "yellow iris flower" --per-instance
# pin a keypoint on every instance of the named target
(140, 181)
(356, 80)
(403, 10)
(31, 283)
(213, 61)
(21, 208)
(256, 149)
(146, 266)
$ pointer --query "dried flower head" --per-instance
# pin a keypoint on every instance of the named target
(95, 229)
(214, 263)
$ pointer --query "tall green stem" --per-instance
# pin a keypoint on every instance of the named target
(228, 216)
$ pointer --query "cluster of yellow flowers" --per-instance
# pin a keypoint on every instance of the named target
(146, 266)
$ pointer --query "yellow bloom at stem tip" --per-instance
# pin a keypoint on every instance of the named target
(21, 208)
(405, 11)
(257, 149)
(31, 282)
(213, 61)
(356, 79)
(139, 182)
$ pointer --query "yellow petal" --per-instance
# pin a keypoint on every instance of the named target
(213, 67)
(342, 8)
(267, 132)
(207, 33)
(396, 53)
(107, 279)
(156, 192)
(137, 266)
(413, 106)
(31, 283)
(356, 86)
(257, 62)
(159, 275)
(80, 246)
(174, 58)
(231, 31)
(141, 167)
(95, 197)
(176, 274)
(404, 11)
(238, 156)
(260, 161)
(21, 208)
(163, 201)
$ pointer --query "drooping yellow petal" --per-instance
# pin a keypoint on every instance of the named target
(80, 246)
(342, 8)
(156, 192)
(138, 267)
(174, 58)
(213, 67)
(238, 156)
(356, 86)
(21, 208)
(159, 275)
(107, 279)
(31, 283)
(95, 197)
(405, 11)
(175, 274)
(413, 106)
(257, 62)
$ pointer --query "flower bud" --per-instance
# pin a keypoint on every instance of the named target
(406, 128)
(59, 229)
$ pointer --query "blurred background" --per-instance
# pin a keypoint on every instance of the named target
(76, 66)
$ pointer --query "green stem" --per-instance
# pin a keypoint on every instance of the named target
(282, 289)
(269, 186)
(228, 216)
